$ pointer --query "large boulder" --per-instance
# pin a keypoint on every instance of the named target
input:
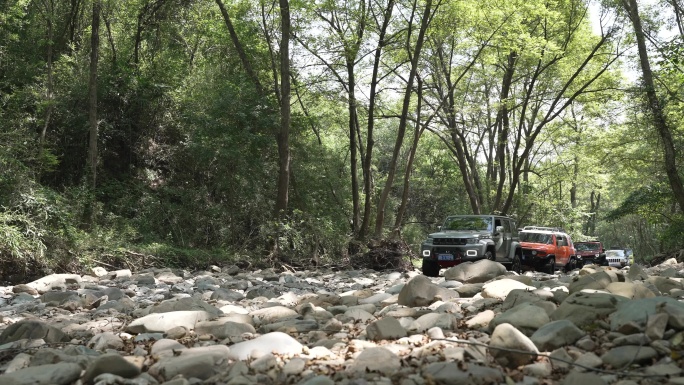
(510, 347)
(595, 281)
(420, 291)
(475, 272)
(32, 330)
(499, 289)
(583, 309)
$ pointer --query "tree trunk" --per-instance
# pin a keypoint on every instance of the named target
(380, 215)
(370, 141)
(503, 127)
(92, 93)
(409, 163)
(240, 50)
(353, 162)
(49, 14)
(283, 137)
(664, 131)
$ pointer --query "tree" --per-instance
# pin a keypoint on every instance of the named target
(414, 57)
(655, 107)
(92, 94)
(283, 137)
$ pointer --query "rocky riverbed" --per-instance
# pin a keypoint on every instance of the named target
(477, 324)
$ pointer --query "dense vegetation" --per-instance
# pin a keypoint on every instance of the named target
(175, 132)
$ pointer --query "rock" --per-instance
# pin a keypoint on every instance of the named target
(526, 317)
(385, 329)
(185, 304)
(227, 295)
(430, 320)
(656, 325)
(583, 309)
(32, 330)
(450, 373)
(376, 359)
(57, 282)
(162, 322)
(636, 312)
(105, 341)
(556, 334)
(224, 329)
(110, 363)
(62, 373)
(630, 290)
(480, 320)
(506, 337)
(475, 272)
(420, 291)
(595, 281)
(577, 378)
(201, 365)
(276, 342)
(518, 296)
(499, 289)
(622, 356)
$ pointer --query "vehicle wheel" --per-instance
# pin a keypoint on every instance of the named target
(516, 264)
(572, 265)
(430, 268)
(550, 267)
(489, 255)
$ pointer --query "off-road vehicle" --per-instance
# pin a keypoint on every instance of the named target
(547, 248)
(465, 238)
(590, 252)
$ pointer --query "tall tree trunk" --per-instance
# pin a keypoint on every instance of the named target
(284, 134)
(409, 163)
(353, 123)
(92, 93)
(370, 140)
(380, 215)
(503, 127)
(241, 51)
(49, 15)
(669, 153)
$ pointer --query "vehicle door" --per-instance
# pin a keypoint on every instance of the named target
(562, 249)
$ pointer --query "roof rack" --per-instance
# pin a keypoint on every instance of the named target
(544, 228)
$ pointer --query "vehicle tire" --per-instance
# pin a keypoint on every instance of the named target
(489, 255)
(430, 268)
(516, 264)
(572, 265)
(550, 267)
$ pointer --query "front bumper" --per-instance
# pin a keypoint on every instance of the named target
(592, 259)
(617, 262)
(451, 255)
(536, 261)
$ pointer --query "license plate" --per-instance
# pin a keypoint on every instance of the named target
(445, 257)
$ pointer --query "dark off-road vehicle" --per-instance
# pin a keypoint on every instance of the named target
(591, 252)
(470, 238)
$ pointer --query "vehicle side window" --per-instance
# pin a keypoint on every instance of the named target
(561, 240)
(507, 226)
(513, 227)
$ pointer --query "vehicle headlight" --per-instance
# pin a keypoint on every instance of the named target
(534, 252)
(472, 241)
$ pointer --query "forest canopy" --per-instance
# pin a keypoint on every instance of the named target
(308, 132)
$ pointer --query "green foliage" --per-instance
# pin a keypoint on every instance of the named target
(302, 240)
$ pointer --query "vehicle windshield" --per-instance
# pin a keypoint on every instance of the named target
(468, 223)
(615, 254)
(526, 236)
(586, 246)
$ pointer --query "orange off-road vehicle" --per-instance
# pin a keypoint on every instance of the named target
(547, 248)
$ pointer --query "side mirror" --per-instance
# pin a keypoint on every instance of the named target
(439, 228)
